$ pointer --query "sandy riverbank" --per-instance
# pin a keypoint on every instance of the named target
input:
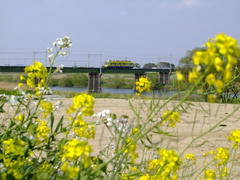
(197, 118)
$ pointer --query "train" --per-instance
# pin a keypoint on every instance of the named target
(119, 64)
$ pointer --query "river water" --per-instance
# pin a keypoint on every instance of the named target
(112, 91)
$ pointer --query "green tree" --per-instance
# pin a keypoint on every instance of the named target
(185, 63)
(149, 66)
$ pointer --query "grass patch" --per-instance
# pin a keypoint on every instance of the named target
(9, 92)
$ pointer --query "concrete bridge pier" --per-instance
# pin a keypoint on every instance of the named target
(137, 76)
(94, 82)
(163, 77)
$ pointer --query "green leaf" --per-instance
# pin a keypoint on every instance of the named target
(60, 123)
(52, 121)
(149, 140)
(159, 131)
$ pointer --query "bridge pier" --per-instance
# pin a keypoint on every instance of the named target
(137, 76)
(163, 77)
(94, 82)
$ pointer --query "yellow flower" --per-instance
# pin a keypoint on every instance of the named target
(172, 117)
(131, 150)
(219, 86)
(190, 157)
(82, 102)
(143, 84)
(210, 174)
(235, 138)
(222, 156)
(74, 149)
(36, 74)
(42, 131)
(82, 129)
(210, 79)
(145, 177)
(218, 63)
(45, 166)
(180, 76)
(211, 98)
(46, 107)
(197, 58)
(20, 85)
(193, 76)
(13, 146)
(225, 172)
(227, 76)
(167, 165)
(232, 60)
(20, 117)
(71, 171)
(22, 77)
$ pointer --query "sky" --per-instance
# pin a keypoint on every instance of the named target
(141, 30)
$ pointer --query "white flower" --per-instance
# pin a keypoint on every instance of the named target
(31, 138)
(50, 56)
(13, 100)
(59, 41)
(63, 53)
(60, 68)
(122, 120)
(58, 105)
(109, 121)
(49, 50)
(54, 43)
(105, 112)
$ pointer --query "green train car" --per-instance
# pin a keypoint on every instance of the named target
(111, 64)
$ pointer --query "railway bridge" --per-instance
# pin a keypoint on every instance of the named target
(94, 74)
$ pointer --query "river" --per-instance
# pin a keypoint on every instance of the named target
(112, 91)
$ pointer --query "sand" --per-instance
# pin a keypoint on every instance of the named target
(196, 118)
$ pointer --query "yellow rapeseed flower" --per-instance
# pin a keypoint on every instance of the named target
(82, 129)
(180, 76)
(235, 138)
(82, 102)
(210, 79)
(190, 157)
(172, 117)
(42, 132)
(20, 117)
(143, 84)
(36, 74)
(221, 156)
(70, 170)
(75, 148)
(13, 146)
(46, 107)
(218, 63)
(210, 174)
(218, 85)
(193, 76)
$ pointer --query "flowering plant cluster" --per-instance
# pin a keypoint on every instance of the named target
(34, 145)
(218, 61)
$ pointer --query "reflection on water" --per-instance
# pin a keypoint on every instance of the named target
(112, 91)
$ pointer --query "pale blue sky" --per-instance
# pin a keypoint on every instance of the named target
(133, 28)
